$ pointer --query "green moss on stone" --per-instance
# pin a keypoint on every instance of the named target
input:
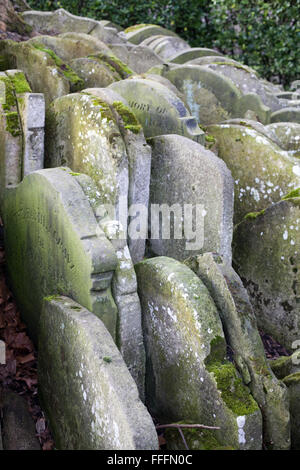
(136, 27)
(292, 194)
(13, 123)
(130, 121)
(234, 393)
(105, 109)
(254, 215)
(217, 351)
(114, 64)
(20, 83)
(4, 63)
(107, 359)
(10, 98)
(292, 379)
(65, 69)
(49, 298)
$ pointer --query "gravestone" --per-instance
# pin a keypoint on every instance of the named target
(158, 109)
(84, 135)
(262, 171)
(87, 392)
(139, 58)
(139, 163)
(293, 383)
(45, 71)
(185, 349)
(167, 46)
(138, 33)
(68, 48)
(54, 245)
(211, 96)
(289, 114)
(185, 177)
(58, 21)
(193, 53)
(94, 73)
(288, 135)
(241, 332)
(266, 256)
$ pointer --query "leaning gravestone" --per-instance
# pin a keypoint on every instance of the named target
(241, 332)
(288, 135)
(211, 96)
(266, 255)
(185, 177)
(193, 53)
(83, 134)
(139, 164)
(187, 377)
(46, 72)
(138, 33)
(54, 245)
(158, 109)
(59, 21)
(262, 171)
(289, 114)
(88, 394)
(139, 58)
(167, 46)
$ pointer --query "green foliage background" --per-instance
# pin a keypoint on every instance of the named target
(262, 34)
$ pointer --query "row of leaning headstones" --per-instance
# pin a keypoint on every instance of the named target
(97, 133)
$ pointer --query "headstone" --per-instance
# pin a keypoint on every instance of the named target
(84, 135)
(266, 256)
(241, 332)
(293, 383)
(288, 135)
(158, 109)
(262, 171)
(139, 163)
(93, 72)
(87, 392)
(187, 377)
(211, 96)
(68, 48)
(285, 365)
(139, 58)
(96, 44)
(197, 186)
(45, 71)
(54, 245)
(291, 114)
(58, 21)
(193, 53)
(138, 33)
(167, 46)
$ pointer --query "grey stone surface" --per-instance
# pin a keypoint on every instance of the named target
(266, 256)
(87, 392)
(289, 114)
(187, 376)
(138, 33)
(242, 334)
(288, 135)
(293, 383)
(185, 173)
(168, 46)
(58, 21)
(18, 427)
(54, 245)
(193, 53)
(158, 109)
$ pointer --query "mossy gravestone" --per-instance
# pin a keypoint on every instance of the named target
(293, 384)
(138, 33)
(241, 331)
(288, 135)
(158, 109)
(193, 53)
(266, 255)
(166, 46)
(54, 245)
(87, 392)
(262, 171)
(197, 186)
(46, 72)
(187, 377)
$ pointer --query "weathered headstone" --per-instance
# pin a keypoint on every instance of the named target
(187, 178)
(87, 392)
(167, 46)
(158, 109)
(211, 96)
(262, 171)
(288, 135)
(138, 33)
(266, 255)
(286, 365)
(93, 73)
(139, 58)
(46, 72)
(139, 163)
(83, 134)
(58, 21)
(241, 332)
(291, 114)
(193, 53)
(187, 377)
(54, 245)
